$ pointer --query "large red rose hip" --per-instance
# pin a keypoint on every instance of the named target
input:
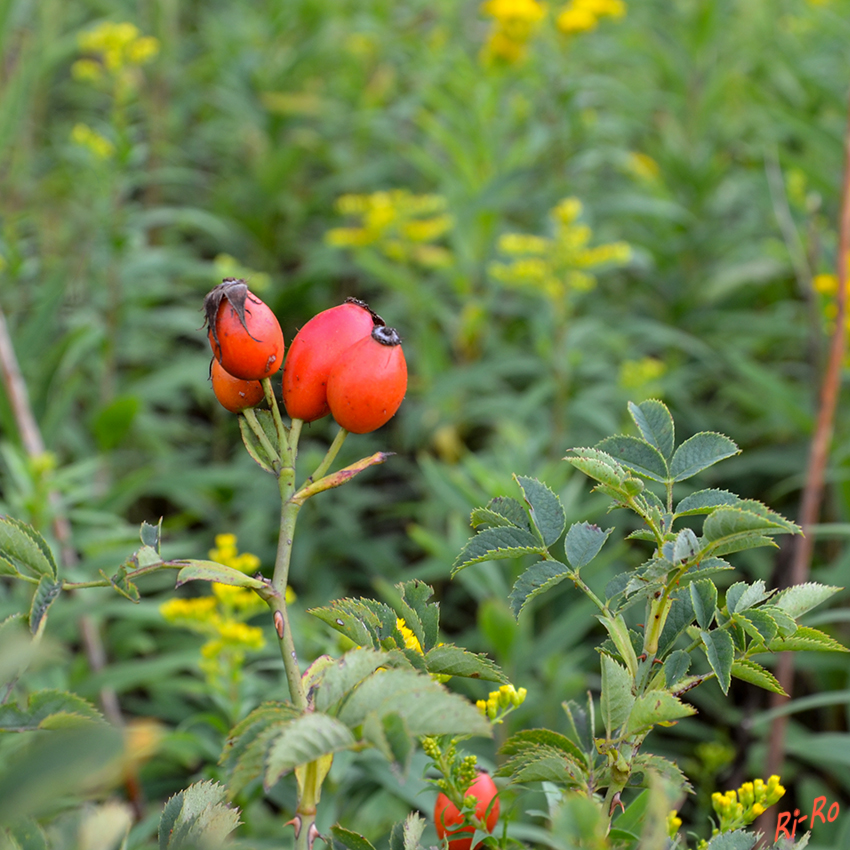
(446, 814)
(244, 333)
(314, 351)
(367, 381)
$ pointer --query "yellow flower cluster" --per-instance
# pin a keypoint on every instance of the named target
(641, 376)
(514, 23)
(501, 702)
(410, 639)
(401, 225)
(737, 809)
(99, 146)
(117, 46)
(583, 15)
(556, 265)
(222, 616)
(673, 823)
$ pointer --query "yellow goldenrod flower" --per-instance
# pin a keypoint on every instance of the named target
(86, 70)
(673, 823)
(94, 142)
(642, 166)
(826, 284)
(737, 809)
(571, 21)
(410, 639)
(200, 609)
(402, 225)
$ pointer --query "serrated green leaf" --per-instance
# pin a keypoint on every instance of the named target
(351, 840)
(685, 546)
(583, 542)
(337, 680)
(637, 455)
(350, 618)
(7, 568)
(534, 581)
(676, 667)
(655, 424)
(741, 596)
(730, 522)
(703, 601)
(758, 625)
(211, 571)
(199, 816)
(646, 762)
(620, 635)
(495, 543)
(617, 699)
(544, 764)
(22, 543)
(704, 502)
(642, 534)
(720, 652)
(406, 835)
(680, 616)
(426, 706)
(510, 510)
(598, 465)
(415, 595)
(656, 707)
(151, 535)
(755, 674)
(43, 707)
(390, 735)
(547, 512)
(451, 660)
(530, 739)
(796, 601)
(253, 444)
(700, 452)
(736, 840)
(805, 638)
(146, 556)
(786, 625)
(304, 740)
(42, 599)
(762, 510)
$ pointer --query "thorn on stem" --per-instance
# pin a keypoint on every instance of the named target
(296, 822)
(616, 802)
(278, 624)
(312, 835)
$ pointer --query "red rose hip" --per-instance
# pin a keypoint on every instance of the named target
(446, 814)
(314, 351)
(244, 333)
(367, 381)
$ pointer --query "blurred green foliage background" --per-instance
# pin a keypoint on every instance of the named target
(707, 137)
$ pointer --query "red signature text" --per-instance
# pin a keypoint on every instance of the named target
(785, 818)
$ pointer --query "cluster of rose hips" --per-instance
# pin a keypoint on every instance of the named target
(345, 361)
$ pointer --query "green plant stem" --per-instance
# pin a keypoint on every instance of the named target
(580, 583)
(330, 456)
(288, 515)
(282, 436)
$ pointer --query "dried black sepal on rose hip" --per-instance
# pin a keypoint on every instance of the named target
(244, 334)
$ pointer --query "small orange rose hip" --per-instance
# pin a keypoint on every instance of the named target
(234, 394)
